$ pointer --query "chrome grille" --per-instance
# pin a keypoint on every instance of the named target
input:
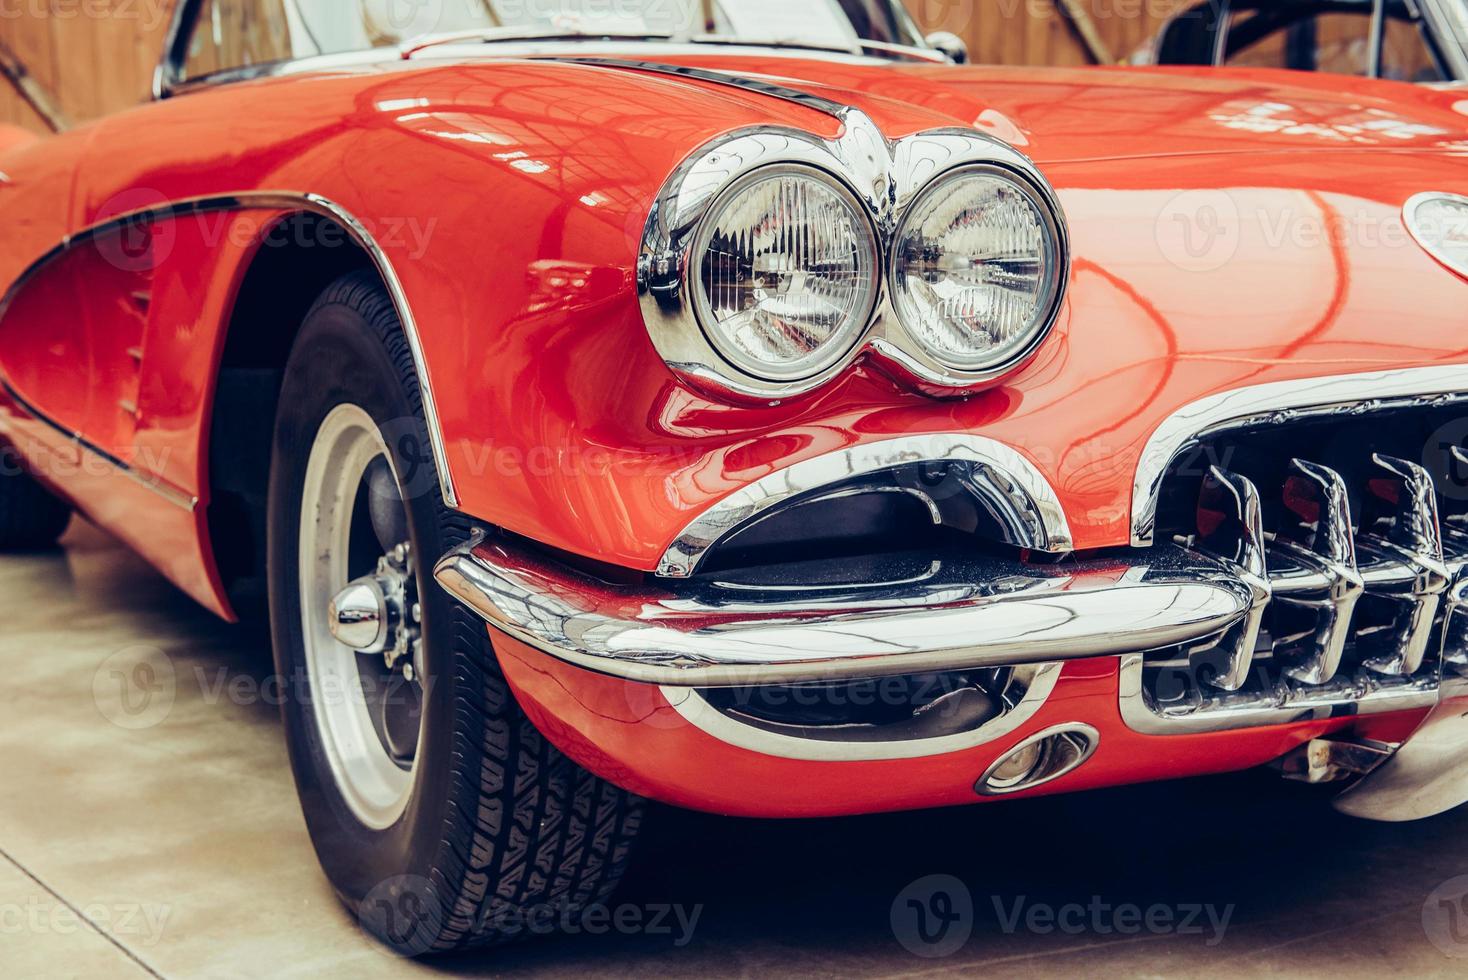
(1351, 612)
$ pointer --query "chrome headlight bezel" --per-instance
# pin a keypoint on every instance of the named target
(848, 336)
(932, 365)
(1425, 234)
(886, 179)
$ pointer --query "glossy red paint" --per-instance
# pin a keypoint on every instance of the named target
(560, 421)
(629, 734)
(510, 198)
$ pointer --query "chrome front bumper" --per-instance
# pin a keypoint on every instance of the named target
(902, 615)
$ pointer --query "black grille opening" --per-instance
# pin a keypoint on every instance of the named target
(929, 506)
(876, 709)
(1345, 442)
(1363, 534)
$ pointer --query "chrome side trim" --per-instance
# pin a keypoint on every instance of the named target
(1039, 520)
(148, 481)
(279, 200)
(1281, 401)
(968, 612)
(1037, 681)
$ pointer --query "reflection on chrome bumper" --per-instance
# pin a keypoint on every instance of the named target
(894, 615)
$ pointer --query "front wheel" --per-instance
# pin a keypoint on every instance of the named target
(442, 817)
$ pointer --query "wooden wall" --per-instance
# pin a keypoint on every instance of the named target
(92, 56)
(1034, 32)
(97, 56)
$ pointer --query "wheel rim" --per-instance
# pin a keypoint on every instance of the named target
(367, 702)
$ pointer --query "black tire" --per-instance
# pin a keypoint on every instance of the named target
(31, 517)
(501, 832)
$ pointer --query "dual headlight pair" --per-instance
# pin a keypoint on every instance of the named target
(773, 258)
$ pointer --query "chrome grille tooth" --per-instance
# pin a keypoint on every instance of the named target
(1409, 536)
(1331, 555)
(1232, 529)
(1455, 527)
(1454, 649)
(1455, 629)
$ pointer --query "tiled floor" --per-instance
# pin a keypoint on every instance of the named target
(162, 837)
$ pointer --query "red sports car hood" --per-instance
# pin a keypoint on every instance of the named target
(1056, 115)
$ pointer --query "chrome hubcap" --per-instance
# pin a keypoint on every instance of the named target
(375, 615)
(360, 617)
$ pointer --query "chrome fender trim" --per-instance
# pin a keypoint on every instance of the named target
(954, 613)
(297, 201)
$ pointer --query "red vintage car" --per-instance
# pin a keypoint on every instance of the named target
(743, 406)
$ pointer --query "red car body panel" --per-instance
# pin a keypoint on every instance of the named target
(628, 734)
(510, 197)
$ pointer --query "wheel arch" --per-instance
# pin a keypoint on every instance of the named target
(299, 254)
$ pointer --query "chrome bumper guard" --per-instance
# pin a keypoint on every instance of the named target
(821, 621)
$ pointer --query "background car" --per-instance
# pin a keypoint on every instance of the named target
(1405, 40)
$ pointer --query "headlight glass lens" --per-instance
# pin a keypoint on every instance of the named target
(977, 269)
(786, 273)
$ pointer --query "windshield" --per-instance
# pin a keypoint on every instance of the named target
(235, 34)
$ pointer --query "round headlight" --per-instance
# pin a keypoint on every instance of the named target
(785, 273)
(977, 269)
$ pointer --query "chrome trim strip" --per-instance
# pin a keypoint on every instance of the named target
(281, 200)
(1280, 401)
(981, 612)
(1366, 694)
(1038, 680)
(1044, 525)
(148, 481)
(744, 82)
